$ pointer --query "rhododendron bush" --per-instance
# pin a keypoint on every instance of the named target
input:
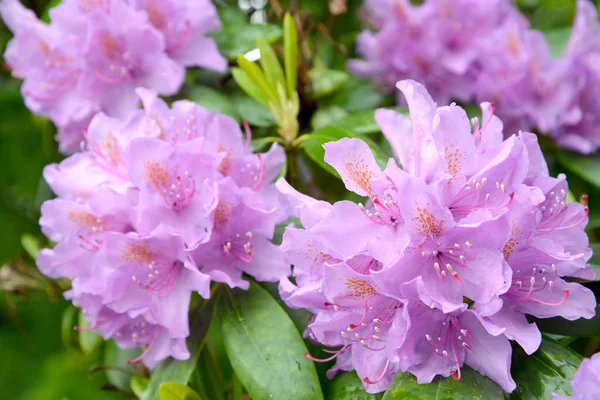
(378, 199)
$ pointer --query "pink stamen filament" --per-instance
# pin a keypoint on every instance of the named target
(335, 354)
(95, 244)
(248, 134)
(380, 377)
(573, 225)
(100, 158)
(261, 173)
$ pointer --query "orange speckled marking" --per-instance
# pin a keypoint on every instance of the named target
(111, 148)
(111, 47)
(156, 173)
(509, 246)
(157, 18)
(514, 44)
(225, 164)
(360, 288)
(359, 173)
(222, 213)
(316, 256)
(428, 225)
(137, 252)
(81, 218)
(454, 158)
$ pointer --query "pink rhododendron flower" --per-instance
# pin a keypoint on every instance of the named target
(154, 208)
(469, 50)
(94, 55)
(451, 251)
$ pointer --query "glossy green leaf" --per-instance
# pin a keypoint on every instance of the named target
(89, 340)
(548, 370)
(580, 327)
(357, 95)
(363, 122)
(557, 40)
(290, 53)
(347, 386)
(587, 167)
(180, 371)
(208, 377)
(257, 77)
(270, 65)
(265, 348)
(261, 144)
(327, 81)
(252, 111)
(67, 324)
(313, 147)
(212, 99)
(248, 86)
(138, 385)
(31, 245)
(116, 361)
(177, 391)
(471, 386)
(46, 14)
(231, 15)
(327, 116)
(236, 39)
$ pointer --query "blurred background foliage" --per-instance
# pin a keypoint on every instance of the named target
(41, 357)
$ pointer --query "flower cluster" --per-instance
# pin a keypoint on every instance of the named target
(586, 382)
(450, 252)
(96, 52)
(470, 50)
(154, 208)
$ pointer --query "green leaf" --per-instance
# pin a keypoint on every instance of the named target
(347, 386)
(180, 371)
(252, 111)
(327, 81)
(138, 385)
(471, 386)
(232, 15)
(580, 327)
(208, 377)
(313, 147)
(290, 53)
(46, 13)
(357, 95)
(270, 65)
(587, 167)
(363, 122)
(177, 391)
(248, 86)
(117, 359)
(257, 77)
(265, 349)
(327, 116)
(67, 324)
(31, 245)
(213, 100)
(557, 40)
(548, 370)
(89, 340)
(236, 39)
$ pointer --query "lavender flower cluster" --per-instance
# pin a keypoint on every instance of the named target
(450, 253)
(156, 207)
(470, 50)
(96, 52)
